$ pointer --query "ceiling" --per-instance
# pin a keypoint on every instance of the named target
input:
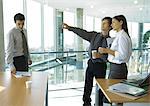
(134, 10)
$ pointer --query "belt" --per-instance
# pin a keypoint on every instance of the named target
(117, 63)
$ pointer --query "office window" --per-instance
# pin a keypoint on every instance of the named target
(48, 28)
(89, 26)
(134, 33)
(146, 31)
(97, 26)
(89, 23)
(34, 24)
(146, 27)
(69, 18)
(10, 8)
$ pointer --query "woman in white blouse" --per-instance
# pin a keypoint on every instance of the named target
(120, 50)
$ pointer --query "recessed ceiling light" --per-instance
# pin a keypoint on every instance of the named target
(92, 6)
(140, 8)
(135, 1)
(103, 12)
(67, 9)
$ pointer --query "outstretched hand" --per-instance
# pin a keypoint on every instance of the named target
(65, 26)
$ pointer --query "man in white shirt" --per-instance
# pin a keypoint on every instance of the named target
(17, 53)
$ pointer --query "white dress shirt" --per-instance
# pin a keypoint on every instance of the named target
(122, 46)
(14, 45)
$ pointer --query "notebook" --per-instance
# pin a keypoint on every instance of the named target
(127, 89)
(138, 83)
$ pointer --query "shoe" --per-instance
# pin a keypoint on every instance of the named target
(118, 104)
(87, 105)
(98, 105)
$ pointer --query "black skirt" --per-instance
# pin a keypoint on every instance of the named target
(118, 71)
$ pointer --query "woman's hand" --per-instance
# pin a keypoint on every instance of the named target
(96, 55)
(102, 50)
(106, 50)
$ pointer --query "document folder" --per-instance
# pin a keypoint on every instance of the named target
(127, 89)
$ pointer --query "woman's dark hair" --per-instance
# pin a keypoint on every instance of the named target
(19, 16)
(123, 19)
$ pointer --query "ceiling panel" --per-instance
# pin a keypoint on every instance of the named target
(134, 10)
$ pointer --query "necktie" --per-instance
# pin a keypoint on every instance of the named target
(25, 46)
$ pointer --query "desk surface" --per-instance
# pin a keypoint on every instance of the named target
(13, 91)
(114, 98)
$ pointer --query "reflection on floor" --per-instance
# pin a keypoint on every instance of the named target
(69, 96)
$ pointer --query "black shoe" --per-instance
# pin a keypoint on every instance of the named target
(99, 104)
(87, 105)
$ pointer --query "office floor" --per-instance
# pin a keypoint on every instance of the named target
(68, 96)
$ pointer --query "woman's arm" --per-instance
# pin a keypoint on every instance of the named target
(106, 50)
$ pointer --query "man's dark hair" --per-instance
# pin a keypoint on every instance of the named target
(19, 16)
(108, 18)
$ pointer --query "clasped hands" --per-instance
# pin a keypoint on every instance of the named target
(102, 50)
(98, 54)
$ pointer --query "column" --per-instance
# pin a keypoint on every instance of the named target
(59, 45)
(2, 50)
(79, 40)
(140, 45)
(78, 75)
(42, 27)
(140, 41)
(59, 31)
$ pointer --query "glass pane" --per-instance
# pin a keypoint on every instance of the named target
(134, 33)
(48, 28)
(89, 23)
(10, 8)
(34, 24)
(97, 24)
(69, 19)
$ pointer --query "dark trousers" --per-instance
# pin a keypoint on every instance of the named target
(97, 70)
(21, 63)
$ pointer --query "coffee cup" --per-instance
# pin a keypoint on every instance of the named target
(94, 53)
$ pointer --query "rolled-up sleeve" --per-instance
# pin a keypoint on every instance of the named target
(123, 46)
(9, 49)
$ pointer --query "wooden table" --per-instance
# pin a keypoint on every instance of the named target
(114, 98)
(13, 91)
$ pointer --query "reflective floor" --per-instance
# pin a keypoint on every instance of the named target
(65, 95)
(70, 93)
